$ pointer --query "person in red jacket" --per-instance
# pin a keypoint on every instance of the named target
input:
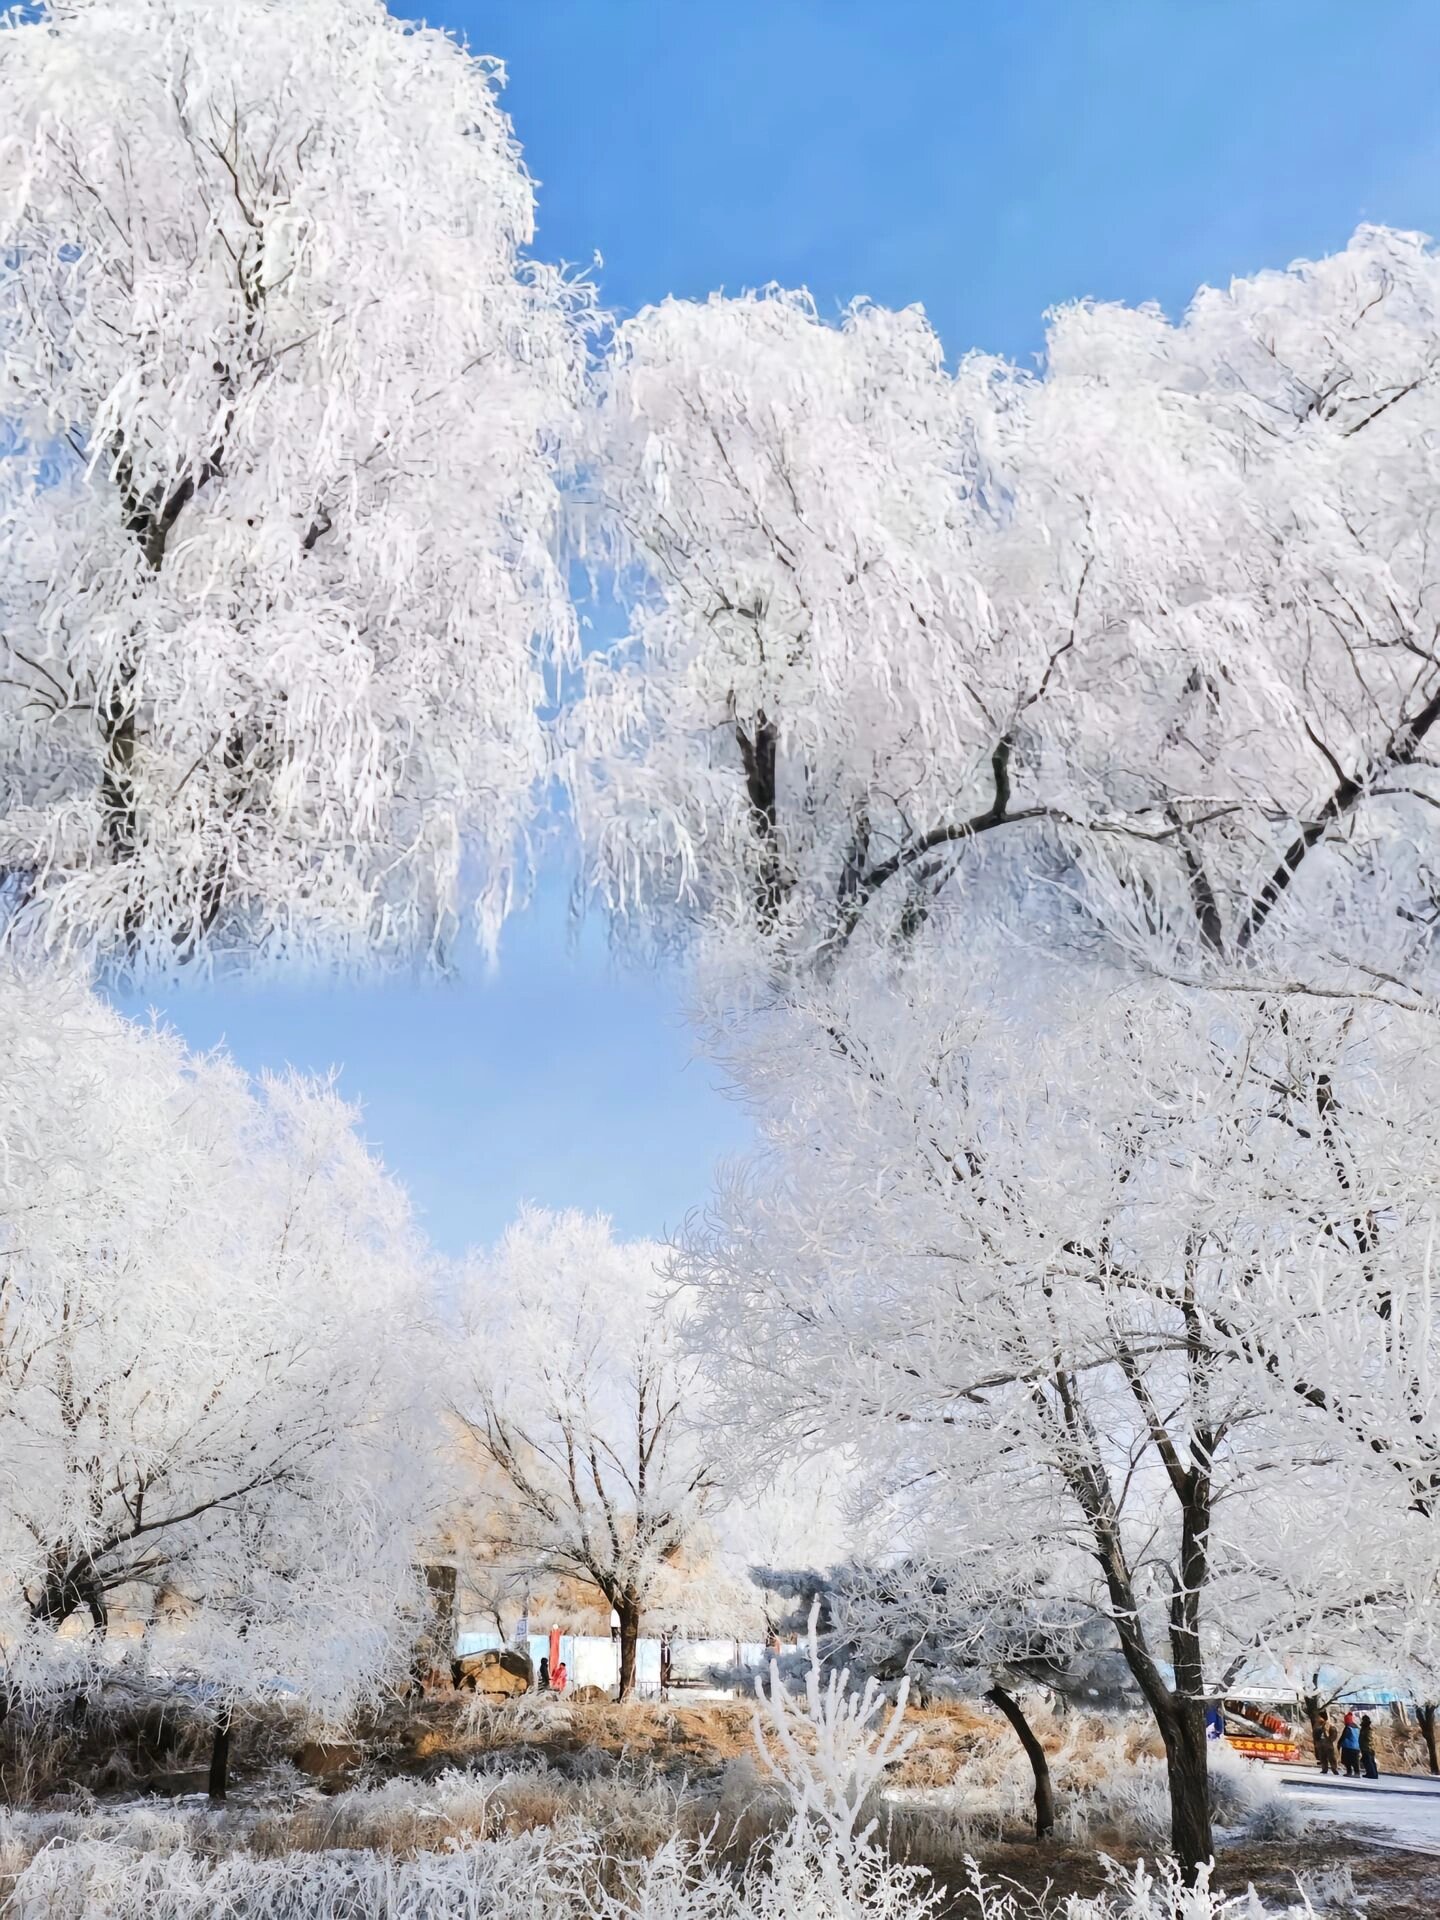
(558, 1677)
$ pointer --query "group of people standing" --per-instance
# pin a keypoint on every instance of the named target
(1352, 1747)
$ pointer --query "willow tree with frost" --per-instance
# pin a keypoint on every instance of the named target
(1159, 618)
(211, 1389)
(579, 1391)
(285, 404)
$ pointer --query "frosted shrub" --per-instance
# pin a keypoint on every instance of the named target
(1136, 1893)
(804, 1876)
(489, 1721)
(1104, 1784)
(564, 1874)
(751, 1802)
(667, 1887)
(1329, 1889)
(404, 1816)
(826, 1748)
(533, 1877)
(525, 1713)
(1244, 1796)
(1107, 1783)
(1110, 1789)
(810, 1876)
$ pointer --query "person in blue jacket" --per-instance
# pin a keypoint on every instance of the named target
(1350, 1747)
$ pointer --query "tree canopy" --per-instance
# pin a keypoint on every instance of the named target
(286, 408)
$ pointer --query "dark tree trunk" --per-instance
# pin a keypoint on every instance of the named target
(1177, 1704)
(1188, 1772)
(1180, 1719)
(758, 750)
(220, 1758)
(628, 1608)
(1035, 1754)
(1187, 1760)
(1427, 1727)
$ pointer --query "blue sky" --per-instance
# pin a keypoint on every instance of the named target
(988, 158)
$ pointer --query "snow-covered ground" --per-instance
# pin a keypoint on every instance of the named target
(1392, 1812)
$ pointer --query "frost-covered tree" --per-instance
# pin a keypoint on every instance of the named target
(578, 1389)
(209, 1371)
(1145, 1275)
(1156, 623)
(992, 1621)
(282, 408)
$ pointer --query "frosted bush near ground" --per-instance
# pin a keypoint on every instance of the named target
(1329, 1889)
(1105, 1780)
(805, 1875)
(975, 1813)
(826, 1747)
(1246, 1796)
(526, 1877)
(485, 1719)
(15, 1847)
(563, 1874)
(623, 1816)
(134, 1829)
(749, 1798)
(667, 1887)
(809, 1876)
(1136, 1893)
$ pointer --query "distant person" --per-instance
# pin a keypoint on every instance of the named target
(559, 1677)
(664, 1666)
(1325, 1745)
(1367, 1748)
(544, 1673)
(1350, 1746)
(1214, 1723)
